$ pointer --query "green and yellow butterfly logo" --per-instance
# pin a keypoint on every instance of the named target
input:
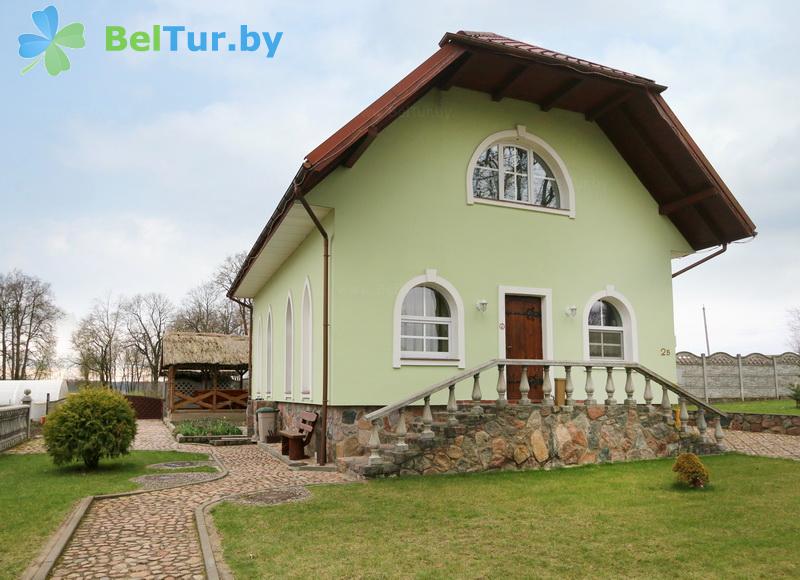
(33, 45)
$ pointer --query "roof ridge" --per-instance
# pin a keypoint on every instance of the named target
(533, 49)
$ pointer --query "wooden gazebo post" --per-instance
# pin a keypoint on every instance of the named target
(171, 387)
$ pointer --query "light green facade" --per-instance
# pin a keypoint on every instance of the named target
(402, 210)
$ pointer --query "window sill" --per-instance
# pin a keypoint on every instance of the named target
(433, 362)
(526, 206)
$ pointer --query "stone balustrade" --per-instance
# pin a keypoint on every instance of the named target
(14, 425)
(477, 407)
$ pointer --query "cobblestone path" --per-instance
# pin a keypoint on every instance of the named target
(764, 444)
(153, 535)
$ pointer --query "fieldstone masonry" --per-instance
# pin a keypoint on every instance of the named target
(533, 437)
(757, 423)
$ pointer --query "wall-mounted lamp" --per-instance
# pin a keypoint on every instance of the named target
(572, 311)
(481, 305)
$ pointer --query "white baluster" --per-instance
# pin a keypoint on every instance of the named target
(610, 388)
(684, 415)
(589, 387)
(700, 419)
(476, 395)
(524, 387)
(375, 445)
(568, 387)
(501, 386)
(547, 387)
(427, 420)
(452, 408)
(648, 391)
(401, 431)
(719, 435)
(629, 400)
(666, 407)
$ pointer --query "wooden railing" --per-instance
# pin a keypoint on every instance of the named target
(501, 401)
(211, 400)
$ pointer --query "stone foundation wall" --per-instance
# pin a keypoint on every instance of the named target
(348, 432)
(519, 438)
(757, 423)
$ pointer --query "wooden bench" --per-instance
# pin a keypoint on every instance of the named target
(294, 440)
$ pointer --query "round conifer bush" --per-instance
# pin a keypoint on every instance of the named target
(691, 470)
(91, 425)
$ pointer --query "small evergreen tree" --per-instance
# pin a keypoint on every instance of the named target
(794, 393)
(90, 425)
(691, 470)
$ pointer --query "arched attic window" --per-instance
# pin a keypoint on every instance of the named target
(519, 169)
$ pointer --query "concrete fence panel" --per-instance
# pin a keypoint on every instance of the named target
(726, 376)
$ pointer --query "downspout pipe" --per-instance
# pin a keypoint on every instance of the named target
(698, 262)
(322, 453)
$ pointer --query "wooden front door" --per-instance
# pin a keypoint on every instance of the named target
(524, 340)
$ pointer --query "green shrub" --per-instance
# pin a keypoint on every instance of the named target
(691, 470)
(794, 393)
(90, 425)
(200, 427)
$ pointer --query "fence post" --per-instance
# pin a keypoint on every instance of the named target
(705, 377)
(28, 401)
(741, 377)
(775, 374)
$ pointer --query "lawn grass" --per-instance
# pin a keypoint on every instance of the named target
(621, 520)
(36, 496)
(772, 407)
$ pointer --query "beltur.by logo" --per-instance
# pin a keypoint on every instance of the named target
(49, 44)
(177, 38)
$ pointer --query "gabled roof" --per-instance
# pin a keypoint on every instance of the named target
(627, 107)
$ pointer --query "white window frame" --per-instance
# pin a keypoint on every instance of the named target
(288, 355)
(520, 137)
(630, 339)
(306, 342)
(268, 355)
(455, 356)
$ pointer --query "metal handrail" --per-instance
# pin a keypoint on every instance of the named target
(457, 378)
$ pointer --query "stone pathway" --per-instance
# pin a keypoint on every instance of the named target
(153, 535)
(35, 445)
(765, 444)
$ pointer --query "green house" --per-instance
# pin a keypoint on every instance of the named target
(501, 202)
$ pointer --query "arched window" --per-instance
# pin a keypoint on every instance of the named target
(288, 365)
(306, 342)
(268, 355)
(425, 324)
(429, 323)
(258, 340)
(516, 167)
(509, 172)
(606, 331)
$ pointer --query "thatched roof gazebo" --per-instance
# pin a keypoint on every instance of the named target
(205, 374)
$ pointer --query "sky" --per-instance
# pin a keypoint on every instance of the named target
(140, 171)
